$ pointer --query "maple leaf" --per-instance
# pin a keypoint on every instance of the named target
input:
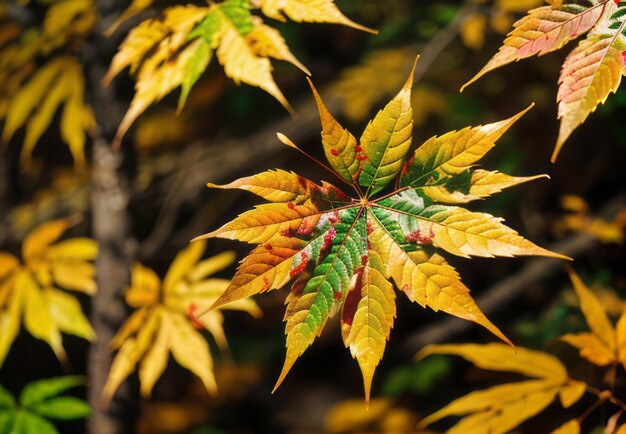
(31, 95)
(605, 345)
(175, 49)
(591, 72)
(165, 320)
(501, 408)
(39, 401)
(346, 252)
(29, 293)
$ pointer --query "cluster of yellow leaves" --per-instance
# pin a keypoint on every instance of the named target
(165, 320)
(502, 408)
(30, 95)
(604, 345)
(174, 49)
(500, 18)
(29, 291)
(579, 219)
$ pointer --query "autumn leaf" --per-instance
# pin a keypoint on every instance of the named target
(175, 49)
(29, 289)
(311, 11)
(591, 72)
(347, 254)
(31, 95)
(579, 219)
(571, 427)
(605, 345)
(501, 408)
(165, 321)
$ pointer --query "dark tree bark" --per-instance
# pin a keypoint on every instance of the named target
(112, 229)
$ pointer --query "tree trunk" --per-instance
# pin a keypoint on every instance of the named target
(112, 229)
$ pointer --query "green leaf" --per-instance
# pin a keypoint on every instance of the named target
(27, 423)
(238, 12)
(194, 67)
(63, 408)
(7, 418)
(41, 390)
(6, 399)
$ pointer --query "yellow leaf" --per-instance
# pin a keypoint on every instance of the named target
(465, 233)
(594, 313)
(67, 314)
(8, 263)
(367, 318)
(571, 427)
(37, 317)
(155, 360)
(339, 144)
(591, 348)
(190, 350)
(82, 249)
(571, 393)
(312, 11)
(40, 238)
(457, 151)
(499, 357)
(9, 323)
(497, 410)
(130, 327)
(133, 9)
(621, 429)
(428, 281)
(242, 64)
(266, 41)
(144, 288)
(130, 352)
(183, 263)
(620, 332)
(75, 275)
(211, 265)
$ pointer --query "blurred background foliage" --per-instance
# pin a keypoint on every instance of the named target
(227, 131)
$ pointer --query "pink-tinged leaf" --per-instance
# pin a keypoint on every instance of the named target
(591, 72)
(543, 30)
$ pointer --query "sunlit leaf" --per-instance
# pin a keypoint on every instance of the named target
(342, 254)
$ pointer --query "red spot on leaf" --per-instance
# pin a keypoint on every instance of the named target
(307, 226)
(418, 237)
(304, 259)
(328, 239)
(370, 229)
(268, 247)
(290, 205)
(624, 57)
(337, 295)
(191, 313)
(266, 284)
(616, 2)
(334, 217)
(361, 157)
(364, 260)
(334, 152)
(358, 148)
(352, 300)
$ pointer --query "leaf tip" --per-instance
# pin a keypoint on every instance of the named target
(286, 140)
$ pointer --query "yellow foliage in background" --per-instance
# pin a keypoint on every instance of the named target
(29, 288)
(165, 320)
